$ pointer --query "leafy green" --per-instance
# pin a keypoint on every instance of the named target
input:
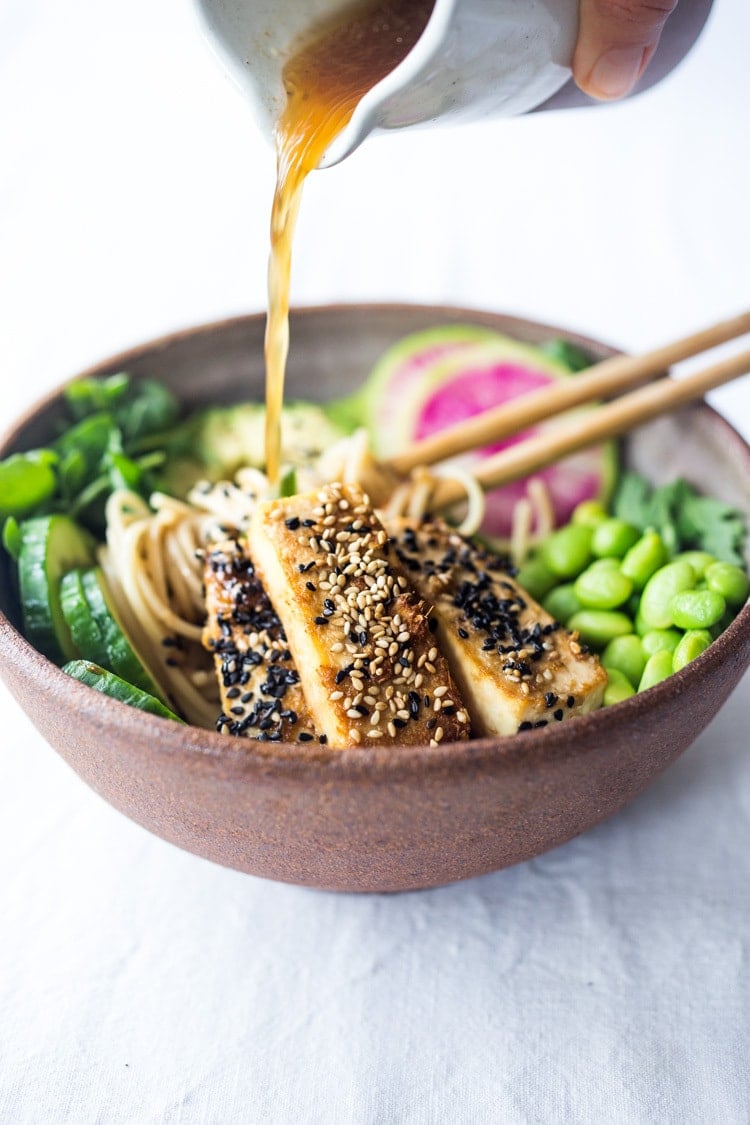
(26, 481)
(118, 435)
(684, 519)
(12, 538)
(570, 355)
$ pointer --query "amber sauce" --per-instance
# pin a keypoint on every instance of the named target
(324, 81)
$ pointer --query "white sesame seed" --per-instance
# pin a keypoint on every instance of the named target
(392, 730)
(439, 734)
(440, 691)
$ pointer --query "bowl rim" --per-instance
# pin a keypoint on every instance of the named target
(242, 756)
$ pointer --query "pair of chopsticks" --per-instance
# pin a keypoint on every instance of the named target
(602, 381)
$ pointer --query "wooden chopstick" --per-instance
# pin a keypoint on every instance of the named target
(602, 381)
(597, 425)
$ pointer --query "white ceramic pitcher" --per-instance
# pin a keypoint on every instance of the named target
(475, 59)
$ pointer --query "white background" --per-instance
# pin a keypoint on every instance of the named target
(606, 982)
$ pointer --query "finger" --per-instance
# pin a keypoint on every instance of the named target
(616, 39)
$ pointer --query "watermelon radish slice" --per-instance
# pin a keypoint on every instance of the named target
(472, 379)
(404, 366)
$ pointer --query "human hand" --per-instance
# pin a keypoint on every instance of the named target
(616, 39)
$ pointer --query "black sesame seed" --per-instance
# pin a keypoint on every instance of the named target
(292, 523)
(323, 739)
(233, 693)
(550, 699)
(464, 634)
(400, 723)
(525, 725)
(310, 585)
(558, 714)
(571, 701)
(305, 736)
(321, 620)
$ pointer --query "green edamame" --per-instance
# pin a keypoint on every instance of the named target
(535, 577)
(699, 560)
(602, 588)
(626, 656)
(567, 552)
(613, 538)
(660, 590)
(644, 558)
(660, 640)
(562, 603)
(598, 627)
(658, 668)
(697, 609)
(729, 581)
(618, 687)
(589, 513)
(692, 644)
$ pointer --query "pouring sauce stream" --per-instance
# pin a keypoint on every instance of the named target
(325, 79)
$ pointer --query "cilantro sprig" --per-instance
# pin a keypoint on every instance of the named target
(684, 518)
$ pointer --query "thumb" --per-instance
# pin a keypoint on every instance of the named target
(616, 39)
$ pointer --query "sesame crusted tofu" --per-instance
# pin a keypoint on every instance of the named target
(358, 631)
(515, 666)
(260, 689)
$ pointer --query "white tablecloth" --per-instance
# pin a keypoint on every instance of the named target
(608, 981)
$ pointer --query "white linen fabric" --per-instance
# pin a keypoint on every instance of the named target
(608, 981)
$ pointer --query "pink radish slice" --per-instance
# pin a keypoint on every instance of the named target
(400, 369)
(474, 379)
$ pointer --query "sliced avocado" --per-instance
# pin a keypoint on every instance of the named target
(230, 438)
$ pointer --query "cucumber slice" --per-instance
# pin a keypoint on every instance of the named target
(50, 546)
(109, 684)
(84, 628)
(97, 631)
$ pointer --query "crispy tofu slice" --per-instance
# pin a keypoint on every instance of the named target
(515, 666)
(359, 633)
(260, 687)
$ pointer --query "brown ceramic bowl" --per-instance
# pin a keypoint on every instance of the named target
(374, 819)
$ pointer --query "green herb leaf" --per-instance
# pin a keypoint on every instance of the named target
(570, 355)
(26, 481)
(684, 519)
(12, 538)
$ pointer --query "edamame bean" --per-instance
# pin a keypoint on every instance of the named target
(618, 688)
(661, 588)
(566, 552)
(729, 581)
(699, 560)
(598, 627)
(626, 655)
(562, 602)
(589, 513)
(660, 640)
(613, 538)
(697, 609)
(693, 643)
(602, 588)
(644, 558)
(536, 577)
(658, 668)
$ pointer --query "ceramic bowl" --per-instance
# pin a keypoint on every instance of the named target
(374, 819)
